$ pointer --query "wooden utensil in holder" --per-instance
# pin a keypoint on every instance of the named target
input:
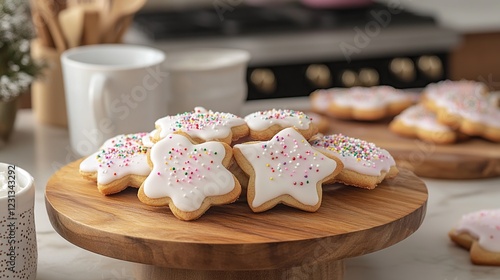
(72, 23)
(91, 27)
(49, 16)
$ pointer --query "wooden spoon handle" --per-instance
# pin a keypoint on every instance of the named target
(116, 34)
(91, 23)
(53, 26)
(42, 32)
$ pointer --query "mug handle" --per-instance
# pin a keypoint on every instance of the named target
(96, 94)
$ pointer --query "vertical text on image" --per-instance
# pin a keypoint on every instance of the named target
(10, 257)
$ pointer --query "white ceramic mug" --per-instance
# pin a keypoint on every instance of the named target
(112, 89)
(214, 78)
(18, 247)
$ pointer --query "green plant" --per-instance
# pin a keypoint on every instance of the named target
(17, 67)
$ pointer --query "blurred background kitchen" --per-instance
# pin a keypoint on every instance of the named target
(297, 46)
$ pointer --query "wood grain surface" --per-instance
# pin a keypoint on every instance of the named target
(474, 158)
(350, 222)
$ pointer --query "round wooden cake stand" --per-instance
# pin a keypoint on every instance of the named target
(232, 242)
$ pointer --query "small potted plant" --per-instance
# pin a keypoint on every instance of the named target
(17, 68)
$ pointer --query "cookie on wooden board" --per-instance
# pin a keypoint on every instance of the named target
(285, 169)
(365, 164)
(121, 162)
(189, 178)
(202, 125)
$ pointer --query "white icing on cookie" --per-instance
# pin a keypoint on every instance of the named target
(321, 99)
(286, 164)
(467, 99)
(477, 108)
(146, 140)
(262, 120)
(369, 97)
(200, 123)
(448, 88)
(187, 173)
(419, 116)
(119, 156)
(356, 155)
(483, 225)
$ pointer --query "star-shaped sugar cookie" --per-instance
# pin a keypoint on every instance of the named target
(120, 162)
(285, 169)
(188, 177)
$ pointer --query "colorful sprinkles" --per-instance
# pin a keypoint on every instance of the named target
(484, 225)
(120, 150)
(467, 99)
(188, 173)
(286, 164)
(118, 157)
(287, 160)
(273, 116)
(199, 120)
(186, 164)
(366, 152)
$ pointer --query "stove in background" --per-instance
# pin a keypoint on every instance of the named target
(297, 49)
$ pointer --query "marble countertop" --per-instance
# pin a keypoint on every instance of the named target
(427, 254)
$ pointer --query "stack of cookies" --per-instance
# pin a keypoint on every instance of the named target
(361, 103)
(444, 113)
(450, 111)
(201, 158)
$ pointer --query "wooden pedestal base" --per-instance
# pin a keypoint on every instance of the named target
(333, 270)
(230, 241)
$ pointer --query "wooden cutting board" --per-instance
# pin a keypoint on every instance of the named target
(232, 242)
(470, 159)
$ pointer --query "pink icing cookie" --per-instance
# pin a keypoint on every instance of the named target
(480, 233)
(466, 106)
(418, 121)
(447, 88)
(365, 164)
(285, 169)
(120, 162)
(188, 177)
(265, 124)
(202, 125)
(361, 103)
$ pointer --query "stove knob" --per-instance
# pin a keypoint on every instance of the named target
(431, 66)
(403, 68)
(349, 78)
(264, 80)
(319, 75)
(368, 77)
